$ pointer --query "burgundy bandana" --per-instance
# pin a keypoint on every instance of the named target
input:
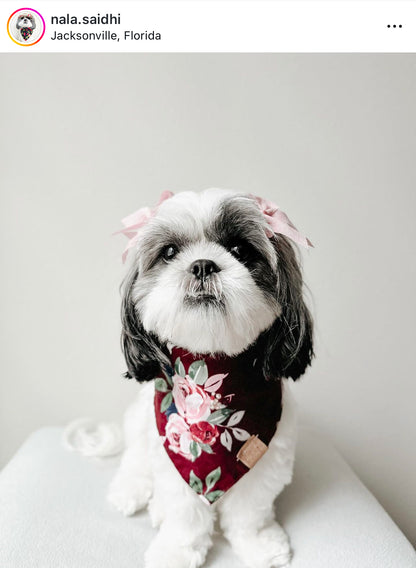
(216, 416)
(26, 33)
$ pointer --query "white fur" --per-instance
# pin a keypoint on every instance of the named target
(161, 308)
(25, 22)
(248, 312)
(148, 477)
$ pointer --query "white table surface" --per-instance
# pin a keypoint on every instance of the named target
(53, 514)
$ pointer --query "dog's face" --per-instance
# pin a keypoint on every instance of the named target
(206, 273)
(207, 278)
(26, 21)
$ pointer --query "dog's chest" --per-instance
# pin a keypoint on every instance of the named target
(216, 417)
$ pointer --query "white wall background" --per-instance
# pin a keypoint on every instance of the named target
(88, 139)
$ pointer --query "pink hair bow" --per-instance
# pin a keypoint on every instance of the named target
(280, 223)
(132, 223)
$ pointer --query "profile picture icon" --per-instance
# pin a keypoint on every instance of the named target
(26, 26)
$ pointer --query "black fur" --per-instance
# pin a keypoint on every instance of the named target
(29, 17)
(238, 221)
(145, 356)
(288, 344)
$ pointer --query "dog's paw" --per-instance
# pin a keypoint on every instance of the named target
(269, 548)
(156, 510)
(129, 495)
(171, 554)
(275, 546)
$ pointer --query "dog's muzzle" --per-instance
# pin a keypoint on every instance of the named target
(203, 282)
(203, 268)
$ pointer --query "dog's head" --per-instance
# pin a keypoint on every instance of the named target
(206, 276)
(26, 21)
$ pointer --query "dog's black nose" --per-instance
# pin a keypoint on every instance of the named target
(202, 268)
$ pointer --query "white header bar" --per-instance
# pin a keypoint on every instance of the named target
(209, 26)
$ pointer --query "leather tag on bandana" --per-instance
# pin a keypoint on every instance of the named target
(216, 417)
(252, 451)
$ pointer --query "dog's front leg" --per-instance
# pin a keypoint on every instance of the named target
(247, 509)
(131, 488)
(255, 536)
(186, 523)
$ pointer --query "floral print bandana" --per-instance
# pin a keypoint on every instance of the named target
(216, 417)
(26, 33)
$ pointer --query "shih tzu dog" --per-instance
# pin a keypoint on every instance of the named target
(213, 321)
(25, 26)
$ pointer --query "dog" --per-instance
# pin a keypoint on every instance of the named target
(25, 26)
(212, 305)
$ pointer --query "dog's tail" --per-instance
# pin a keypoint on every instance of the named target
(93, 439)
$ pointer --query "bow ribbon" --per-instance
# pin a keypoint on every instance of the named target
(132, 223)
(280, 223)
(277, 220)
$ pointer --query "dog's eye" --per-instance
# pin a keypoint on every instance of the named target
(240, 250)
(169, 252)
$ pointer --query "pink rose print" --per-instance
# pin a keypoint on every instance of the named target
(197, 417)
(179, 436)
(191, 401)
(204, 432)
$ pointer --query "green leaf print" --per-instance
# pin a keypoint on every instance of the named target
(195, 483)
(206, 448)
(219, 416)
(179, 368)
(212, 478)
(194, 449)
(198, 371)
(214, 495)
(160, 385)
(166, 402)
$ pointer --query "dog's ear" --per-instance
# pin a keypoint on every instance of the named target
(289, 342)
(145, 356)
(32, 19)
